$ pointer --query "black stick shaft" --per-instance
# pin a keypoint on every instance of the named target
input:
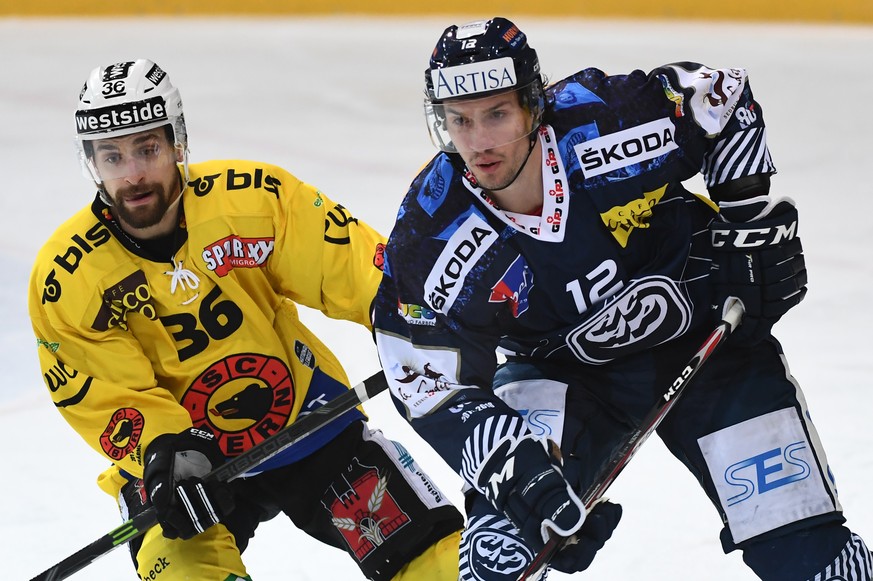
(233, 468)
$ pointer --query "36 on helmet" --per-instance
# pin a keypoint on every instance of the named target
(477, 60)
(126, 98)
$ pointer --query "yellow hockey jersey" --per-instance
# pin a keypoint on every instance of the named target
(131, 348)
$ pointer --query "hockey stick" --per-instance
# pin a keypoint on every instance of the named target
(635, 438)
(233, 468)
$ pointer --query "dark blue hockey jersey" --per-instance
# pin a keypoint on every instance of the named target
(616, 264)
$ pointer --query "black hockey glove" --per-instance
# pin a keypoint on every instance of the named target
(174, 466)
(521, 480)
(758, 259)
(596, 530)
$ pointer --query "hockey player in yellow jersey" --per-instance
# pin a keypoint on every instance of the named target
(169, 339)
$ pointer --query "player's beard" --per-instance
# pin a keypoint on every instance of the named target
(146, 215)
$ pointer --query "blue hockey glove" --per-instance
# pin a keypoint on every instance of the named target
(759, 260)
(174, 466)
(521, 480)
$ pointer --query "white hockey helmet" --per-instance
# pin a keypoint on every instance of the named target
(125, 98)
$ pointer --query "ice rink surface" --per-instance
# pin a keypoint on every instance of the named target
(338, 102)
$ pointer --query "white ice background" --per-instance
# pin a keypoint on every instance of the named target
(338, 102)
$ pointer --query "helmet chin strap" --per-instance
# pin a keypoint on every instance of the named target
(533, 142)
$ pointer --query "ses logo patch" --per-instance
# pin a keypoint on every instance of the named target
(767, 471)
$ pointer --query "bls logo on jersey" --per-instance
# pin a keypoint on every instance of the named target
(72, 257)
(514, 286)
(764, 472)
(231, 252)
(237, 180)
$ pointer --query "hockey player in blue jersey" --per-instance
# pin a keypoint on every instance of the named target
(553, 228)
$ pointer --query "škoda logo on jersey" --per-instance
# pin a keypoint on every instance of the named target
(618, 150)
(233, 251)
(468, 239)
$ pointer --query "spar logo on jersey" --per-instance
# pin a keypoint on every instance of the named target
(468, 239)
(622, 220)
(234, 251)
(130, 295)
(618, 150)
(242, 399)
(513, 287)
(122, 434)
(646, 313)
(363, 509)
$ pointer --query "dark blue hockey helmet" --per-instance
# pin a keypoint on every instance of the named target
(476, 60)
